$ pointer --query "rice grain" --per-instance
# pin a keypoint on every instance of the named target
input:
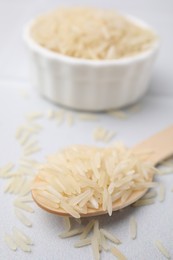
(117, 253)
(67, 223)
(83, 242)
(10, 242)
(162, 249)
(110, 236)
(23, 206)
(71, 233)
(23, 219)
(143, 202)
(133, 228)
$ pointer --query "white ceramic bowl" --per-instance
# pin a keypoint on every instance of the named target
(87, 84)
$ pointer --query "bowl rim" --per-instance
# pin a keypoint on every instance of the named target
(33, 45)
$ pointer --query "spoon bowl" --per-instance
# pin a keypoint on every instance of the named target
(161, 145)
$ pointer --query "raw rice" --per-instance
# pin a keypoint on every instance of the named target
(34, 127)
(20, 243)
(47, 203)
(110, 136)
(22, 246)
(87, 229)
(10, 242)
(103, 242)
(50, 114)
(110, 236)
(25, 162)
(165, 170)
(133, 228)
(67, 223)
(30, 148)
(8, 187)
(34, 115)
(150, 194)
(31, 144)
(78, 220)
(69, 209)
(162, 249)
(99, 133)
(23, 219)
(19, 132)
(143, 202)
(91, 34)
(126, 196)
(25, 138)
(20, 180)
(102, 134)
(26, 188)
(91, 177)
(71, 233)
(15, 184)
(83, 242)
(95, 241)
(5, 170)
(31, 151)
(117, 253)
(23, 206)
(99, 239)
(26, 198)
(23, 237)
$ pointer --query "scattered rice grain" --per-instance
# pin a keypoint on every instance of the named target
(150, 194)
(117, 253)
(23, 206)
(110, 236)
(87, 229)
(67, 223)
(50, 114)
(83, 242)
(5, 171)
(143, 202)
(34, 115)
(95, 241)
(25, 238)
(103, 242)
(31, 151)
(133, 228)
(71, 233)
(10, 242)
(162, 249)
(23, 219)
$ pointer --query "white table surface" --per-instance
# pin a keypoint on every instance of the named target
(155, 221)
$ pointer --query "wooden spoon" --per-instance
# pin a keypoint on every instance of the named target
(161, 145)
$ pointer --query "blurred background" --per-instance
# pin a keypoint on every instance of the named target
(15, 13)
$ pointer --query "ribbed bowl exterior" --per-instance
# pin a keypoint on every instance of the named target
(89, 85)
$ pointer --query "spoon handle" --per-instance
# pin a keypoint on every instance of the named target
(160, 145)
